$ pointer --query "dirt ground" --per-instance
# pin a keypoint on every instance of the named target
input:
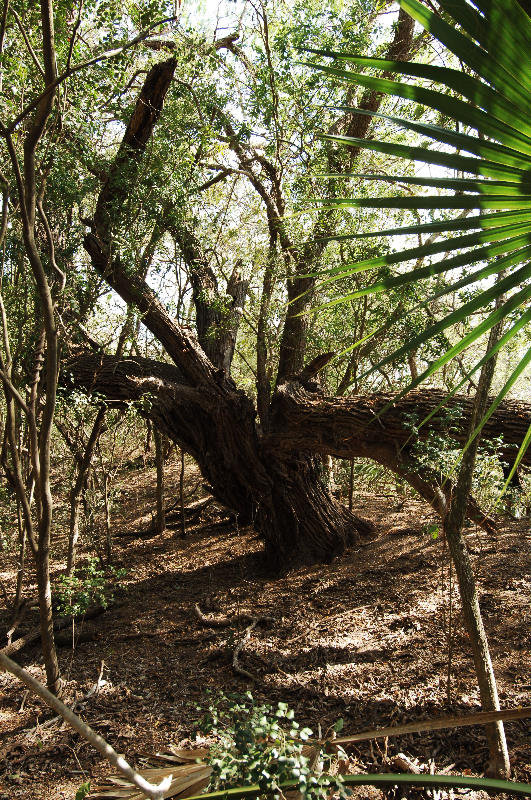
(364, 639)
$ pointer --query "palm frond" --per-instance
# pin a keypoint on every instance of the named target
(487, 116)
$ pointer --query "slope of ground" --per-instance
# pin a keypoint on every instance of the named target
(364, 639)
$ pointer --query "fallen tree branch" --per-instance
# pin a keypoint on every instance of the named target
(193, 511)
(405, 764)
(35, 634)
(84, 730)
(211, 621)
(224, 622)
(479, 718)
(177, 502)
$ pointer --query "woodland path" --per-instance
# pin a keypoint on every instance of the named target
(362, 638)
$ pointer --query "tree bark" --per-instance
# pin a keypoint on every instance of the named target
(499, 764)
(354, 426)
(160, 521)
(274, 481)
(283, 494)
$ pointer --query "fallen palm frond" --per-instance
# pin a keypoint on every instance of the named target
(187, 780)
(181, 756)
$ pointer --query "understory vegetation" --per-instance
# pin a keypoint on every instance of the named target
(265, 332)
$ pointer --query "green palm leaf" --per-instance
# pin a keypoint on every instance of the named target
(478, 93)
(492, 109)
(471, 144)
(460, 224)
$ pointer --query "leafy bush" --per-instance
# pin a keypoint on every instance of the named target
(259, 744)
(75, 593)
(438, 454)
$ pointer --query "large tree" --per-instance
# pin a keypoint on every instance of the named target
(231, 118)
(268, 476)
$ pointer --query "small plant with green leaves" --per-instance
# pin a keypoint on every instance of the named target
(259, 744)
(87, 586)
(83, 791)
(436, 453)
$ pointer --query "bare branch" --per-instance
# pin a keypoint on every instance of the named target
(105, 56)
(51, 247)
(84, 730)
(31, 51)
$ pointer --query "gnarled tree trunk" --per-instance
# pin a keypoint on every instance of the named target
(272, 480)
(281, 493)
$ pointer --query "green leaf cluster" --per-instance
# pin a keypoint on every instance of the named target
(89, 585)
(258, 744)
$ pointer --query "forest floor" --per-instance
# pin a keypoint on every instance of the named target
(364, 639)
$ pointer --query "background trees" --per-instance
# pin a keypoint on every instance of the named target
(199, 220)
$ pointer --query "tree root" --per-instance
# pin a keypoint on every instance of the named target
(224, 622)
(239, 670)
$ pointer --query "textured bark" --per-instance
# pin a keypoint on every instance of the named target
(350, 427)
(499, 764)
(198, 405)
(281, 493)
(274, 480)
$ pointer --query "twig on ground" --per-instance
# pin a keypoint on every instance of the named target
(224, 622)
(235, 663)
(80, 703)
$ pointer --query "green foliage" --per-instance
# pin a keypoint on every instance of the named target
(491, 124)
(438, 453)
(83, 791)
(258, 744)
(90, 584)
(432, 530)
(435, 453)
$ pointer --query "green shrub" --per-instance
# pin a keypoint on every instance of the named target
(87, 586)
(258, 744)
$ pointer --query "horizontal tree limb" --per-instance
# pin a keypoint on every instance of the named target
(352, 427)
